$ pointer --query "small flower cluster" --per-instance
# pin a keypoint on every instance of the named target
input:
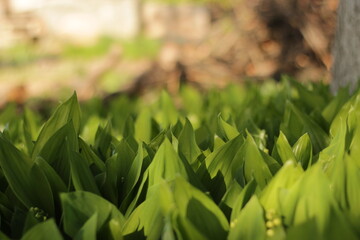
(272, 222)
(39, 214)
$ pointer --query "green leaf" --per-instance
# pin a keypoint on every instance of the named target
(283, 149)
(79, 206)
(312, 198)
(143, 125)
(148, 216)
(187, 143)
(296, 123)
(303, 151)
(352, 191)
(4, 237)
(90, 156)
(230, 198)
(254, 165)
(200, 210)
(115, 229)
(88, 230)
(30, 128)
(122, 172)
(81, 175)
(227, 131)
(334, 107)
(125, 158)
(192, 211)
(222, 159)
(185, 230)
(167, 114)
(55, 181)
(103, 139)
(271, 196)
(43, 231)
(69, 111)
(25, 178)
(249, 224)
(134, 172)
(57, 148)
(166, 164)
(15, 167)
(311, 99)
(243, 198)
(222, 167)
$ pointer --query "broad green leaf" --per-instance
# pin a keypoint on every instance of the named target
(81, 175)
(192, 211)
(25, 178)
(143, 125)
(222, 159)
(148, 216)
(351, 107)
(79, 206)
(185, 230)
(311, 198)
(69, 111)
(43, 231)
(30, 128)
(204, 138)
(166, 164)
(90, 155)
(283, 149)
(354, 143)
(253, 164)
(297, 123)
(168, 232)
(88, 230)
(201, 211)
(192, 99)
(331, 159)
(352, 191)
(303, 151)
(103, 139)
(134, 172)
(227, 131)
(187, 143)
(115, 229)
(243, 198)
(271, 196)
(334, 107)
(56, 150)
(55, 181)
(122, 172)
(305, 230)
(167, 114)
(4, 237)
(15, 167)
(250, 223)
(125, 158)
(41, 190)
(222, 167)
(311, 99)
(129, 128)
(110, 185)
(230, 198)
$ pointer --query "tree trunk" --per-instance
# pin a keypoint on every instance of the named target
(346, 52)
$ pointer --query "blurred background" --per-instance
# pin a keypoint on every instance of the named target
(49, 48)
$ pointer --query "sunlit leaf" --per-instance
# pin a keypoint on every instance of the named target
(43, 231)
(250, 223)
(69, 111)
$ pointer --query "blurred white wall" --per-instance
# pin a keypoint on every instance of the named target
(84, 19)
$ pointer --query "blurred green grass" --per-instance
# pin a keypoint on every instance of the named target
(133, 49)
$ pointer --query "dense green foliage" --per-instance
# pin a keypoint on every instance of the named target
(276, 161)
